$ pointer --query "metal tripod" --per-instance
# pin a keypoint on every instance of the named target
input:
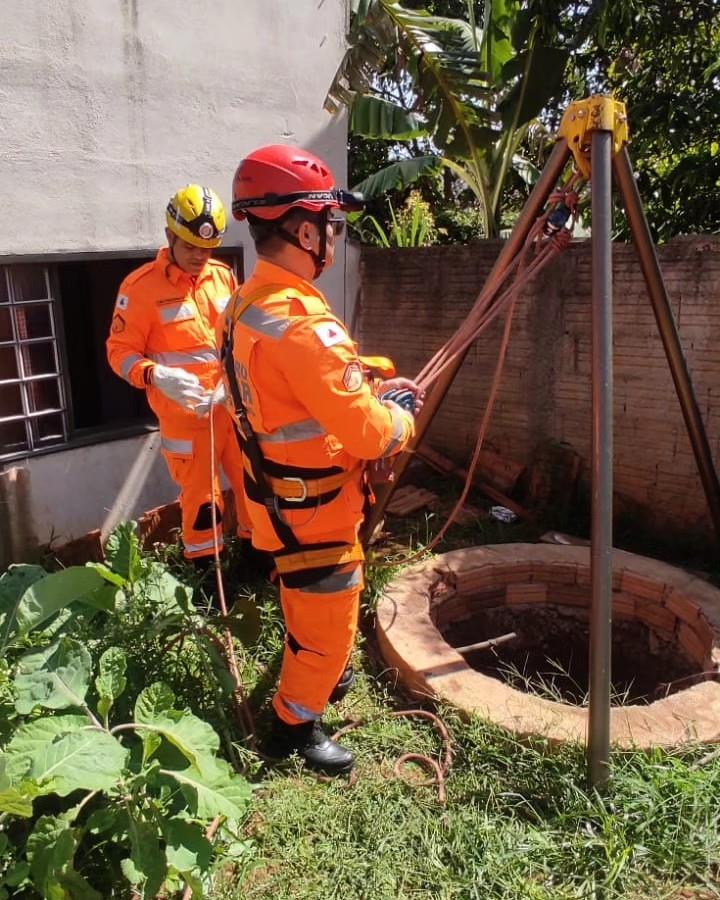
(594, 131)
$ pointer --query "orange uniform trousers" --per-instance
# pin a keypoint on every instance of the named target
(187, 452)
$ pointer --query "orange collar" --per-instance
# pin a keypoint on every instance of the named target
(269, 273)
(174, 274)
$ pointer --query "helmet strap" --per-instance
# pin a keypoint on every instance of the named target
(319, 258)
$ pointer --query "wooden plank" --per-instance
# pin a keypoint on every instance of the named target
(444, 465)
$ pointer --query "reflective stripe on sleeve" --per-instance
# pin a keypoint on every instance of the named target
(128, 363)
(188, 358)
(259, 320)
(400, 423)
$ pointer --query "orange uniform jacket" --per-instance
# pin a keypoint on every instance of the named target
(164, 316)
(310, 405)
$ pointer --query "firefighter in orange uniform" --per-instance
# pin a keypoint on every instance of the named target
(162, 340)
(308, 419)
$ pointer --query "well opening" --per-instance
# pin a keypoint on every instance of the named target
(549, 656)
(666, 642)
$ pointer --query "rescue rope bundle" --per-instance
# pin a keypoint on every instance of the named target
(549, 236)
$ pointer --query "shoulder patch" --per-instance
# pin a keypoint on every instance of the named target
(331, 333)
(353, 378)
(118, 324)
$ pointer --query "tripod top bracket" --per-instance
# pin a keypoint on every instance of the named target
(597, 113)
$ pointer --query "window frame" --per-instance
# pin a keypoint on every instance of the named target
(234, 254)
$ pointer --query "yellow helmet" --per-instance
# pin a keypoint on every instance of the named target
(196, 215)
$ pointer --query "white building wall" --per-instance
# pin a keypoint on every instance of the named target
(108, 106)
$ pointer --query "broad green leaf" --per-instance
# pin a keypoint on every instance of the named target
(15, 798)
(195, 739)
(168, 596)
(500, 18)
(17, 874)
(50, 849)
(111, 681)
(243, 620)
(153, 701)
(373, 117)
(106, 819)
(104, 598)
(89, 760)
(13, 585)
(76, 887)
(397, 175)
(541, 79)
(107, 574)
(56, 677)
(46, 597)
(151, 740)
(146, 866)
(219, 666)
(214, 791)
(32, 737)
(186, 846)
(122, 551)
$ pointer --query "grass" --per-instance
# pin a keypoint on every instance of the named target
(519, 821)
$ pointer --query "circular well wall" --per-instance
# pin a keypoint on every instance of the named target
(476, 593)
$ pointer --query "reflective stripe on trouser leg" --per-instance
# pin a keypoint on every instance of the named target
(191, 471)
(321, 628)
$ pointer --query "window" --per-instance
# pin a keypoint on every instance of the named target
(55, 384)
(33, 406)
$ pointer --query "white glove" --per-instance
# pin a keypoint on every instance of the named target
(210, 398)
(179, 386)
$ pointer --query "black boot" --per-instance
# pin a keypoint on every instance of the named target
(347, 680)
(310, 742)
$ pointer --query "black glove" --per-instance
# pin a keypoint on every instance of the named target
(403, 397)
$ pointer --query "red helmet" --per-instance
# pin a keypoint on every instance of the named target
(274, 179)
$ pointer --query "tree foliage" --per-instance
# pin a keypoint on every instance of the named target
(492, 129)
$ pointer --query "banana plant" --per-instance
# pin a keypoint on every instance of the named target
(463, 92)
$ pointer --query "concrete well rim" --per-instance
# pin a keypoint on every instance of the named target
(665, 595)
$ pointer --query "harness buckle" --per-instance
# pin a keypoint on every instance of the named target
(302, 484)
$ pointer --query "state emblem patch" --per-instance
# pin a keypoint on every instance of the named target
(330, 333)
(353, 378)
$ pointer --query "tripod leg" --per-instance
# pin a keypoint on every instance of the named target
(602, 460)
(668, 332)
(532, 209)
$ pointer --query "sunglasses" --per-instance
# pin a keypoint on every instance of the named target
(337, 223)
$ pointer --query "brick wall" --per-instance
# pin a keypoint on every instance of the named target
(412, 300)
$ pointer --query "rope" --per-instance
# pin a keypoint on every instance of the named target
(439, 768)
(492, 303)
(242, 707)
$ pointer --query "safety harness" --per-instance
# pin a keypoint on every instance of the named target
(279, 486)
